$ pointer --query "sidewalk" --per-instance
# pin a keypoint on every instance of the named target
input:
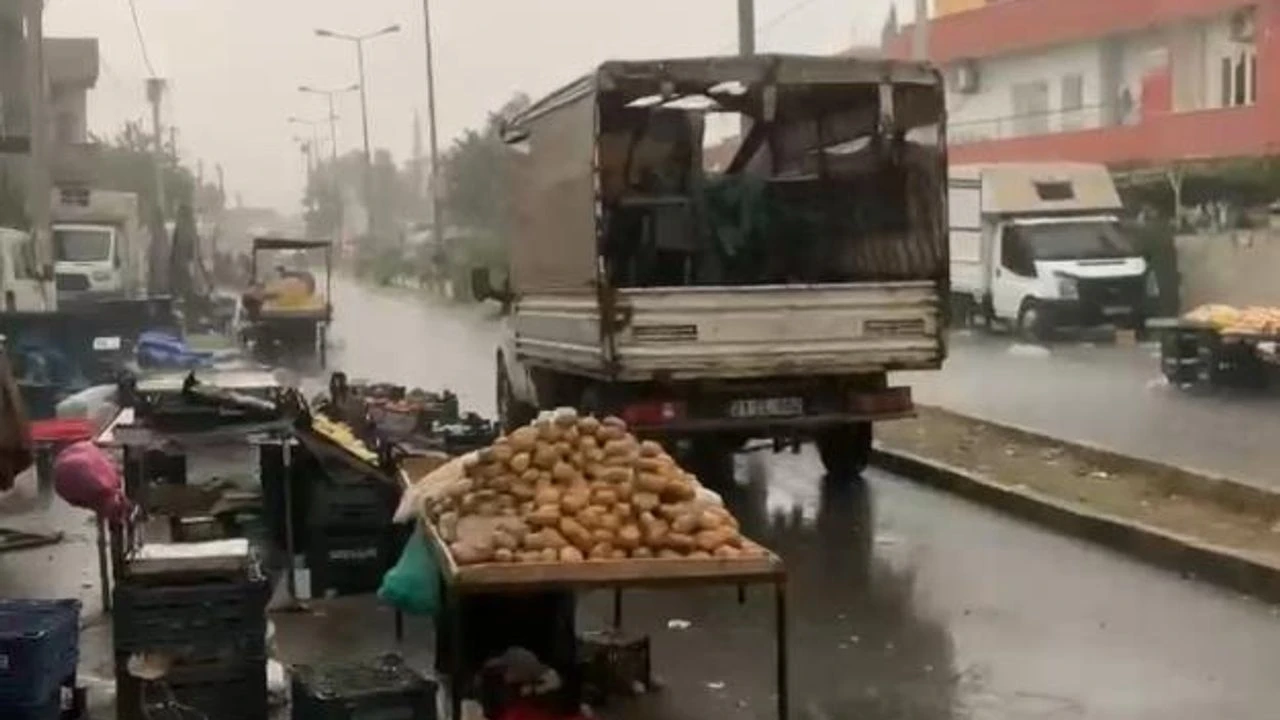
(1110, 396)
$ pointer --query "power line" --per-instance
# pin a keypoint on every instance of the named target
(142, 41)
(776, 20)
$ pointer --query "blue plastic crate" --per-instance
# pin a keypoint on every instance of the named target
(39, 648)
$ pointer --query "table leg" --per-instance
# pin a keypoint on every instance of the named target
(456, 644)
(291, 579)
(617, 609)
(104, 571)
(780, 608)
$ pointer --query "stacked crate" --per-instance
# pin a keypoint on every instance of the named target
(39, 650)
(385, 689)
(213, 632)
(352, 541)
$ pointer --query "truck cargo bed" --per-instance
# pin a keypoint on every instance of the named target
(738, 332)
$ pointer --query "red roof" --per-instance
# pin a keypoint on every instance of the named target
(1017, 25)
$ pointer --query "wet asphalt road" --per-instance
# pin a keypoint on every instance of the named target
(1111, 396)
(904, 603)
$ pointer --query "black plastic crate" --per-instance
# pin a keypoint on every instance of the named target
(39, 648)
(384, 689)
(351, 561)
(367, 502)
(236, 691)
(199, 620)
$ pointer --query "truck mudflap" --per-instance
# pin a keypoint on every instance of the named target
(765, 415)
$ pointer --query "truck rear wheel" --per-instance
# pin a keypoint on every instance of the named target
(845, 450)
(512, 413)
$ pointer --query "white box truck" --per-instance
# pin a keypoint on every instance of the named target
(769, 297)
(1039, 246)
(100, 251)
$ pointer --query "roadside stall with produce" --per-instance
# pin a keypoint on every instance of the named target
(1221, 346)
(574, 503)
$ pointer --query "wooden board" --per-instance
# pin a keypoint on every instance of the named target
(604, 573)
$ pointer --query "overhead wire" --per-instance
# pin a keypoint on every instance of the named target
(773, 22)
(142, 40)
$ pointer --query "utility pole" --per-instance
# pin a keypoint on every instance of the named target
(155, 95)
(437, 212)
(40, 185)
(746, 42)
(920, 32)
(359, 41)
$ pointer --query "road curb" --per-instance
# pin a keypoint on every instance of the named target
(1187, 556)
(1236, 495)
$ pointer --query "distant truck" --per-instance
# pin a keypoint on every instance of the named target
(100, 250)
(766, 296)
(1038, 247)
(20, 287)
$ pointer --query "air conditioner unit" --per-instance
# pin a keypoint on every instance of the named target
(964, 77)
(1243, 28)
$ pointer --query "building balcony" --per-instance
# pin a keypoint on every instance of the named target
(1087, 135)
(1013, 26)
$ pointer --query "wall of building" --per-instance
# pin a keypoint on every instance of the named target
(947, 7)
(1235, 268)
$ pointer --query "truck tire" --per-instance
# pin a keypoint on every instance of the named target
(512, 413)
(1032, 325)
(845, 450)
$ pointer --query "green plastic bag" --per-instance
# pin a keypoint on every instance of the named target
(413, 585)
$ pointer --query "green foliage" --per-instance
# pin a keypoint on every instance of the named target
(126, 163)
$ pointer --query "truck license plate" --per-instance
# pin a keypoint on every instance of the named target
(766, 407)
(1114, 310)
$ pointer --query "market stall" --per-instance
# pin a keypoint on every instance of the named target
(1217, 346)
(571, 504)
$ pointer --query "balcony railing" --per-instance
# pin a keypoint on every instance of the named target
(963, 132)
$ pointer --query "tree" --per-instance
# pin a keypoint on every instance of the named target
(126, 164)
(477, 173)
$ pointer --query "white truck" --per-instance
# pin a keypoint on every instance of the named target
(768, 300)
(100, 250)
(20, 286)
(1040, 246)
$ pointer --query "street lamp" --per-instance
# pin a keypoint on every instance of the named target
(359, 41)
(329, 95)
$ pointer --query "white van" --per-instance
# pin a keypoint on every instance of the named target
(99, 250)
(20, 288)
(1036, 247)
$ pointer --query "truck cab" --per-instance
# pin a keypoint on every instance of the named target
(96, 246)
(1042, 247)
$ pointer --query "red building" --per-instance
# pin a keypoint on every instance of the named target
(1126, 82)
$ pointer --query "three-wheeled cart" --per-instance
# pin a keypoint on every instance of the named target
(1198, 355)
(278, 331)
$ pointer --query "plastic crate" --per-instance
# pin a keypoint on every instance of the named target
(39, 648)
(351, 561)
(367, 503)
(229, 692)
(198, 620)
(384, 689)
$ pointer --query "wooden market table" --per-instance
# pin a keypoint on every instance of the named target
(616, 575)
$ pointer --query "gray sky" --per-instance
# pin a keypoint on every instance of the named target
(235, 64)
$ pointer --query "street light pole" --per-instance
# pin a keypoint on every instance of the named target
(437, 213)
(329, 95)
(359, 41)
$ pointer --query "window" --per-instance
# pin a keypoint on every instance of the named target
(1013, 254)
(1055, 191)
(1239, 79)
(1031, 108)
(1072, 101)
